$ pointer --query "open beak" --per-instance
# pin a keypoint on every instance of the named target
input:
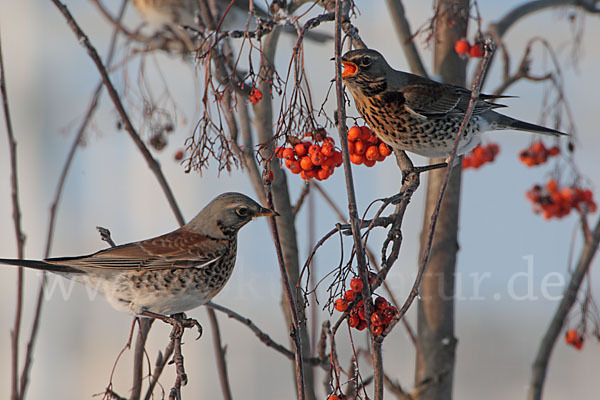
(265, 212)
(350, 69)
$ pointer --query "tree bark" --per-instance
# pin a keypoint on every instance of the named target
(436, 341)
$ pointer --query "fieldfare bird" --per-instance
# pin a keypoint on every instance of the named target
(168, 274)
(412, 113)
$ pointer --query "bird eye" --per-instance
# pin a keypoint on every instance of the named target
(365, 62)
(242, 212)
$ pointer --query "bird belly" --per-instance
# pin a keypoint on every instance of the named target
(430, 137)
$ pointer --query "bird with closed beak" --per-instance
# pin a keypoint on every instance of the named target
(168, 274)
(412, 113)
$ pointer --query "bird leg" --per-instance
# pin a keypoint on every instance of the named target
(179, 322)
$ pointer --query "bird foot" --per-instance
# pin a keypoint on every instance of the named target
(179, 322)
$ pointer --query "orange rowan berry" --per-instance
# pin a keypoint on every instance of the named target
(353, 320)
(372, 153)
(476, 51)
(365, 133)
(327, 149)
(341, 305)
(356, 284)
(377, 318)
(554, 151)
(300, 149)
(357, 159)
(380, 303)
(279, 152)
(377, 329)
(351, 147)
(349, 296)
(354, 133)
(361, 325)
(551, 186)
(323, 174)
(369, 163)
(306, 163)
(317, 157)
(314, 148)
(179, 155)
(461, 46)
(384, 149)
(333, 397)
(295, 167)
(337, 157)
(360, 147)
(361, 312)
(288, 153)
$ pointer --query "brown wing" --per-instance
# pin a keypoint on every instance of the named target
(433, 99)
(180, 248)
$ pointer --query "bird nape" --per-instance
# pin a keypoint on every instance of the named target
(416, 114)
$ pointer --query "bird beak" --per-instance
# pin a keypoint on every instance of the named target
(265, 212)
(350, 69)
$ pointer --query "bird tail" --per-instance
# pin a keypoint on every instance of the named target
(40, 265)
(505, 122)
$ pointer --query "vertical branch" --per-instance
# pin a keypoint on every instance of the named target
(14, 186)
(351, 197)
(286, 233)
(406, 38)
(138, 357)
(542, 358)
(219, 354)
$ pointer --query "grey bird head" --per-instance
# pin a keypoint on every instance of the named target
(366, 70)
(226, 214)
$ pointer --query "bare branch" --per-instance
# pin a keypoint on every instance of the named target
(220, 355)
(540, 365)
(20, 237)
(402, 26)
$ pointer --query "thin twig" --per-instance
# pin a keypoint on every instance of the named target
(219, 354)
(542, 359)
(20, 238)
(489, 49)
(152, 163)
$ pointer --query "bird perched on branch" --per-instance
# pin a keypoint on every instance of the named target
(175, 14)
(416, 114)
(168, 274)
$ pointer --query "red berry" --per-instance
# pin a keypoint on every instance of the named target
(372, 153)
(300, 149)
(461, 46)
(341, 305)
(349, 296)
(354, 133)
(384, 149)
(380, 303)
(288, 153)
(306, 163)
(377, 329)
(353, 320)
(377, 318)
(476, 51)
(361, 325)
(356, 284)
(179, 155)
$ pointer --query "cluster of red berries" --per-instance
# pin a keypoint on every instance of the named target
(255, 95)
(365, 147)
(480, 155)
(311, 160)
(574, 338)
(383, 314)
(336, 397)
(553, 201)
(537, 154)
(463, 47)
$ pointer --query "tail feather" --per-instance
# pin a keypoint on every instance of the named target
(505, 122)
(40, 265)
